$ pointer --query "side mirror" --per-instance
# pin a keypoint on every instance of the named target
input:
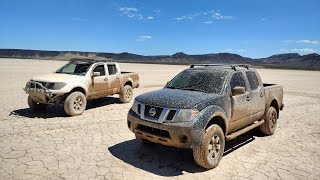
(94, 74)
(238, 90)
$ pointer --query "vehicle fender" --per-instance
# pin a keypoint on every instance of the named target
(210, 112)
(269, 98)
(127, 79)
(70, 86)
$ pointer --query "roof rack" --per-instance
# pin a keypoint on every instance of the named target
(233, 66)
(206, 65)
(87, 60)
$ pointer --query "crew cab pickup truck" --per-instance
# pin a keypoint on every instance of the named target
(78, 81)
(205, 105)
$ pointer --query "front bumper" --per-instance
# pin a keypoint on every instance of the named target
(181, 135)
(41, 94)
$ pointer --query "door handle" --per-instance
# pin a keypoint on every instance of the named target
(248, 98)
(105, 79)
(261, 94)
(117, 78)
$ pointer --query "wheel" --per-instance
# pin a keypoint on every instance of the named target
(143, 141)
(36, 106)
(270, 124)
(126, 94)
(209, 153)
(75, 103)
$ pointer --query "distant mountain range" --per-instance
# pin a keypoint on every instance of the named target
(289, 60)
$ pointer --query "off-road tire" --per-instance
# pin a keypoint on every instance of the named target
(125, 94)
(36, 106)
(75, 103)
(143, 141)
(270, 124)
(201, 152)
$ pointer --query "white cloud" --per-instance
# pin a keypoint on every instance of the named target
(128, 9)
(144, 38)
(134, 13)
(208, 15)
(78, 19)
(242, 50)
(308, 41)
(219, 16)
(207, 22)
(302, 50)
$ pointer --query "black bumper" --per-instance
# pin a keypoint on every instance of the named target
(181, 135)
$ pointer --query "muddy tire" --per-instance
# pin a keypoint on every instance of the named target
(270, 124)
(36, 106)
(75, 103)
(143, 141)
(126, 94)
(210, 151)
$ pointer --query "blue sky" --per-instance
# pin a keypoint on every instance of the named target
(252, 28)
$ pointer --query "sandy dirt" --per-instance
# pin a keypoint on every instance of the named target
(98, 144)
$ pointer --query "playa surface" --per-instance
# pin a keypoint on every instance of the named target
(98, 144)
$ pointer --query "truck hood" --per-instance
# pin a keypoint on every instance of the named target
(55, 77)
(175, 98)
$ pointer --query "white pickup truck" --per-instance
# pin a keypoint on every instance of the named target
(78, 81)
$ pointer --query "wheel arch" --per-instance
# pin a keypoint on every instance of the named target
(218, 117)
(274, 103)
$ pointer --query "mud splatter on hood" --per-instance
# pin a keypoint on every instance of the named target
(175, 98)
(55, 77)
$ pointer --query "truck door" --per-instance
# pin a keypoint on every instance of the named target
(240, 104)
(256, 95)
(99, 84)
(114, 79)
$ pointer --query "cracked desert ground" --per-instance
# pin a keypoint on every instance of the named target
(98, 144)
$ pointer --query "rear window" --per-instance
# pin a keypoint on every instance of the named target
(112, 69)
(253, 80)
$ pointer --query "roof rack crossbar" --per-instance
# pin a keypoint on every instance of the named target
(233, 66)
(206, 65)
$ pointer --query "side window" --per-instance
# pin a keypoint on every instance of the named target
(112, 69)
(237, 80)
(253, 80)
(100, 69)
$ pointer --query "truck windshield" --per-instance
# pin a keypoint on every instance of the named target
(74, 68)
(207, 81)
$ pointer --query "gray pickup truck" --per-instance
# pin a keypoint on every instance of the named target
(78, 81)
(205, 105)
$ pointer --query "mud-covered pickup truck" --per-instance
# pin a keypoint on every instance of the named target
(204, 106)
(78, 81)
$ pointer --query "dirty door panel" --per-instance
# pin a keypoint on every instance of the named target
(257, 98)
(240, 104)
(114, 79)
(99, 84)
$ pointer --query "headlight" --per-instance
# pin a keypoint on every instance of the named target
(58, 85)
(186, 115)
(135, 107)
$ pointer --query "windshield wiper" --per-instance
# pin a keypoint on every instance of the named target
(171, 87)
(192, 89)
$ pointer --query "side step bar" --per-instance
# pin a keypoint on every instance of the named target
(244, 130)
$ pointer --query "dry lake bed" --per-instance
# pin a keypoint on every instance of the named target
(98, 144)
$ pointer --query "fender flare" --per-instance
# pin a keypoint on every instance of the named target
(210, 112)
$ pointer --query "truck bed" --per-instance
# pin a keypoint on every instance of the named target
(273, 92)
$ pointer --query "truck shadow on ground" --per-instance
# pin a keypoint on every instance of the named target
(169, 161)
(53, 111)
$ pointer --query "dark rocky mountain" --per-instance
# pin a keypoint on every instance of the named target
(289, 60)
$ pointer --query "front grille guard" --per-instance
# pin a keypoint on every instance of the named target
(37, 87)
(34, 86)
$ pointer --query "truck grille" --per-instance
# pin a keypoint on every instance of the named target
(152, 112)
